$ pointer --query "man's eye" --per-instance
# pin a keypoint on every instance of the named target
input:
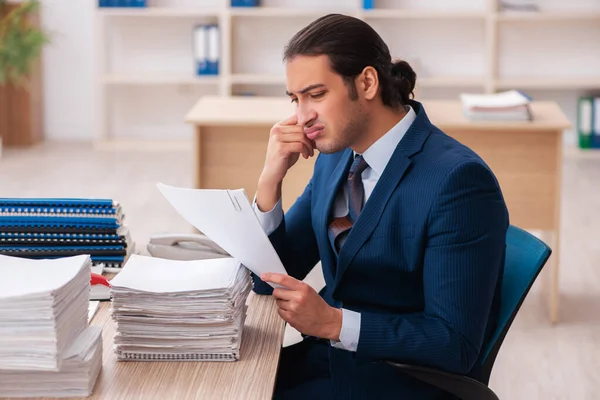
(318, 95)
(294, 100)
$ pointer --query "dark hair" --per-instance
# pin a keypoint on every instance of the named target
(351, 45)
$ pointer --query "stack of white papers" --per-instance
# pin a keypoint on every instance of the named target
(179, 310)
(505, 106)
(77, 377)
(43, 319)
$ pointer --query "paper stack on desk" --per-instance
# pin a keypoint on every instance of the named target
(179, 310)
(46, 346)
(77, 377)
(510, 105)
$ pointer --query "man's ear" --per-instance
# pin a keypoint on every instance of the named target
(368, 83)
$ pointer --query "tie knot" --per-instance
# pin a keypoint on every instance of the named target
(358, 165)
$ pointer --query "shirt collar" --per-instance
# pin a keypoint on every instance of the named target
(380, 152)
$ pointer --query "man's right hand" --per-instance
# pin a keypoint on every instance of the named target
(286, 142)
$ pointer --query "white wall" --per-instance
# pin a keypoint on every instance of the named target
(443, 47)
(68, 68)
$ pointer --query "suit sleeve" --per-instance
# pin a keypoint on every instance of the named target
(463, 262)
(295, 242)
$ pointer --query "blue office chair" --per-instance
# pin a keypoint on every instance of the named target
(525, 257)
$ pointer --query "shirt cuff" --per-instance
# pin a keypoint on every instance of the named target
(269, 220)
(350, 332)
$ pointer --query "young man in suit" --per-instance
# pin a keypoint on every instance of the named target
(408, 223)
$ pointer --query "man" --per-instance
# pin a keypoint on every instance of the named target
(409, 226)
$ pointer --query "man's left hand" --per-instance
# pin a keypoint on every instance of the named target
(302, 307)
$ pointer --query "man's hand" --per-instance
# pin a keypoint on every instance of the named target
(302, 307)
(286, 142)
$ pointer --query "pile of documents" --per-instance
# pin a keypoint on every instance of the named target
(39, 228)
(47, 348)
(506, 106)
(179, 310)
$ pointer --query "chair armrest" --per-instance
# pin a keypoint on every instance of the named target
(463, 387)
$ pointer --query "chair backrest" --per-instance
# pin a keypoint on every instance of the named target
(525, 257)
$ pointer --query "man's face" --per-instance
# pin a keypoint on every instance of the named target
(329, 117)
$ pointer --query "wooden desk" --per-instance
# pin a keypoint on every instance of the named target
(232, 135)
(253, 376)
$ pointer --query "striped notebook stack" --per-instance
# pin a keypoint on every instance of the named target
(60, 227)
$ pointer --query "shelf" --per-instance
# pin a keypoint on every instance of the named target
(159, 79)
(260, 79)
(260, 12)
(159, 12)
(450, 81)
(433, 81)
(558, 82)
(252, 41)
(421, 14)
(548, 16)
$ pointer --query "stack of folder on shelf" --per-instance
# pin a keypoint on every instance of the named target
(122, 3)
(179, 310)
(50, 228)
(505, 106)
(588, 122)
(47, 348)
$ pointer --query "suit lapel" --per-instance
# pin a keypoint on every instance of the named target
(331, 191)
(411, 143)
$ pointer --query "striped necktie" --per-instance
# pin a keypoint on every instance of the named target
(340, 226)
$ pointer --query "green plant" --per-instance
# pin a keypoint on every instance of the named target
(20, 41)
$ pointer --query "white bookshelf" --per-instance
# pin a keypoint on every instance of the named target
(457, 46)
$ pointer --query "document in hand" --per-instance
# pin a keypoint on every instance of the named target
(227, 218)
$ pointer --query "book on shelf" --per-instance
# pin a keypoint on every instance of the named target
(245, 3)
(588, 122)
(206, 39)
(122, 3)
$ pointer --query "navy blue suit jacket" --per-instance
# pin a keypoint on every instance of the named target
(422, 264)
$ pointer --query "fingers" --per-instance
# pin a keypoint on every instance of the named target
(296, 147)
(285, 315)
(291, 120)
(283, 280)
(300, 138)
(284, 305)
(287, 294)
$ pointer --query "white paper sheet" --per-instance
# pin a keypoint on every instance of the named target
(158, 275)
(37, 277)
(227, 218)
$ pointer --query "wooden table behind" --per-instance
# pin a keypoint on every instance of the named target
(232, 135)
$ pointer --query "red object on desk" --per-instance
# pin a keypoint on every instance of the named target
(100, 287)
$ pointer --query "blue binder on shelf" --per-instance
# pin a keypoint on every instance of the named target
(245, 3)
(585, 114)
(122, 3)
(206, 49)
(596, 123)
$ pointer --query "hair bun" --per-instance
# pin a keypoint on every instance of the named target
(406, 76)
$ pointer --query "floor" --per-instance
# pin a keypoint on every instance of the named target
(537, 360)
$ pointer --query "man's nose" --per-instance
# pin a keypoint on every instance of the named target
(306, 116)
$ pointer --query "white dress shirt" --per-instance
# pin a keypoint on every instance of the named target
(377, 157)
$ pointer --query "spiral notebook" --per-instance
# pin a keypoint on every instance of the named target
(40, 228)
